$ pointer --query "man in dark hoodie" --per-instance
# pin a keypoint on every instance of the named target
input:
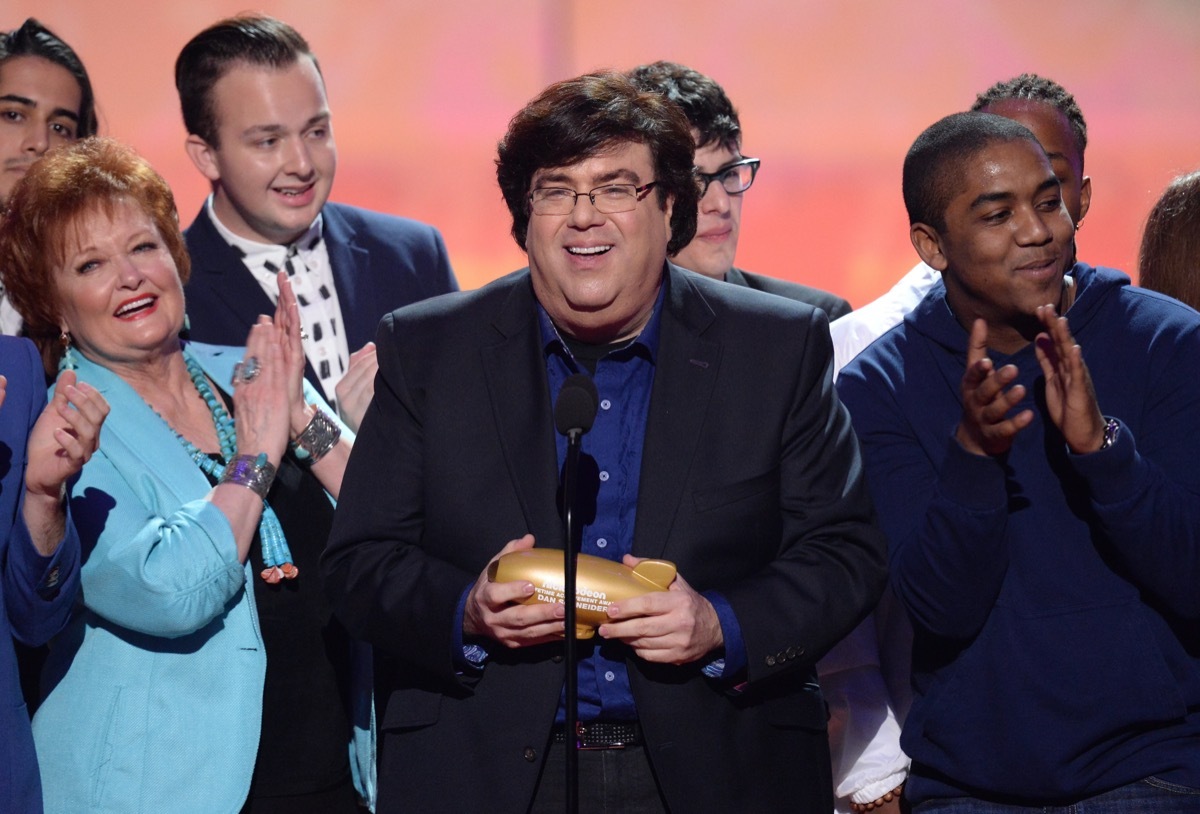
(1040, 497)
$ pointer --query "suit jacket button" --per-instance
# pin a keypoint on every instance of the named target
(556, 659)
(770, 661)
(530, 754)
(781, 656)
(791, 652)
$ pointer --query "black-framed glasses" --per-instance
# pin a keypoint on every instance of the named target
(608, 199)
(735, 178)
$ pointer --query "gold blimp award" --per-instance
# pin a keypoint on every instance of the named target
(598, 582)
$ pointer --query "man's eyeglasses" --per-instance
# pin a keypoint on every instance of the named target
(734, 179)
(608, 199)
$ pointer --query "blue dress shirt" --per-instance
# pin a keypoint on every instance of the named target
(606, 505)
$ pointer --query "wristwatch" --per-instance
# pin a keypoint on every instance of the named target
(1112, 428)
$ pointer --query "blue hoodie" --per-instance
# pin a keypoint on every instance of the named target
(1055, 598)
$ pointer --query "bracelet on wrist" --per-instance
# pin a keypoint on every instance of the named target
(320, 436)
(254, 472)
(878, 802)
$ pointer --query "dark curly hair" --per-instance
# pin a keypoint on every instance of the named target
(704, 102)
(573, 120)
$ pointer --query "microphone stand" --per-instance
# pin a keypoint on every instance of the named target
(570, 657)
(574, 413)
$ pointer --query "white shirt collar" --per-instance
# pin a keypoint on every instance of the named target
(255, 253)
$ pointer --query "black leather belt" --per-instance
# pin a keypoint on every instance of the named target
(602, 734)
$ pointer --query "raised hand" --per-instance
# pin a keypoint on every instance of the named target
(986, 427)
(260, 394)
(287, 334)
(65, 435)
(63, 439)
(1070, 397)
(357, 388)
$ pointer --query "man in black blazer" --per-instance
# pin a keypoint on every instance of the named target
(259, 129)
(718, 445)
(724, 175)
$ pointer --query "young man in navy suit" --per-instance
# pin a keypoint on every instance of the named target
(260, 129)
(869, 766)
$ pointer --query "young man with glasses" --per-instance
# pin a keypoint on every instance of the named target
(864, 736)
(698, 698)
(724, 175)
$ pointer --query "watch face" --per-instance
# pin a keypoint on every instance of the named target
(1111, 429)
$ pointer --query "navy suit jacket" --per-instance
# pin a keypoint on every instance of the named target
(380, 262)
(457, 456)
(833, 305)
(36, 592)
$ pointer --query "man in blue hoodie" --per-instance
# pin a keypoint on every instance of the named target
(1028, 436)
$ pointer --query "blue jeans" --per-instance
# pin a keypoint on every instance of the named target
(1149, 796)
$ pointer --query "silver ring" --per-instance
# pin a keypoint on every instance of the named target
(303, 335)
(246, 371)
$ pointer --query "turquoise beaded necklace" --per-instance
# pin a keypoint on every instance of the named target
(276, 555)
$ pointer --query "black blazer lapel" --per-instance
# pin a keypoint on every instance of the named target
(515, 364)
(736, 277)
(684, 377)
(219, 269)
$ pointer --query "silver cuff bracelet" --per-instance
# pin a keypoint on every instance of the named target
(320, 436)
(254, 472)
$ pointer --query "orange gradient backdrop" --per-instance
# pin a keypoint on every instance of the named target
(831, 94)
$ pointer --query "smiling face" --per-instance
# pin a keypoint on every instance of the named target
(598, 275)
(276, 158)
(119, 289)
(712, 250)
(1006, 242)
(39, 109)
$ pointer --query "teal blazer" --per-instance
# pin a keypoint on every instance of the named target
(157, 685)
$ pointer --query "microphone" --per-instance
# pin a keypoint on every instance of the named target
(575, 409)
(574, 414)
